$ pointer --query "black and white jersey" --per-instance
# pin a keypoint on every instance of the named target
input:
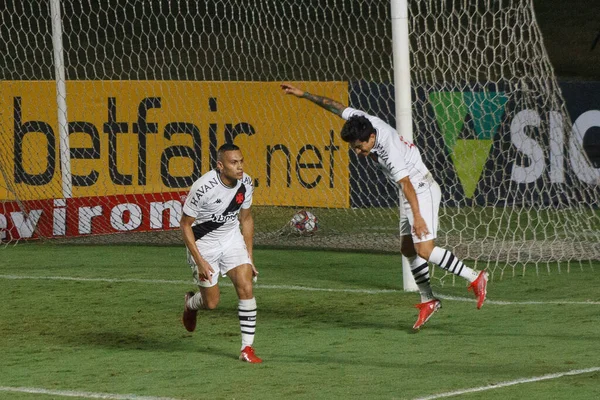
(216, 206)
(397, 157)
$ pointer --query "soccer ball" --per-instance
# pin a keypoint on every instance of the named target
(304, 222)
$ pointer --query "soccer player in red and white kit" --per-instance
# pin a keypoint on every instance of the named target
(217, 206)
(420, 198)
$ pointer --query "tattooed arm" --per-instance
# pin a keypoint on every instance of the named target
(328, 104)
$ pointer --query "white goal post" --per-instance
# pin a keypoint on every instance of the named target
(402, 97)
(102, 144)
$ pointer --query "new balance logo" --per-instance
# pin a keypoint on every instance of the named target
(218, 201)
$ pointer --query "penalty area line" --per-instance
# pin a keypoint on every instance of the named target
(287, 287)
(86, 395)
(510, 383)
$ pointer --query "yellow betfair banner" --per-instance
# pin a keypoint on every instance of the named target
(135, 137)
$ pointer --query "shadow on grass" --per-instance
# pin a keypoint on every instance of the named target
(128, 341)
(123, 340)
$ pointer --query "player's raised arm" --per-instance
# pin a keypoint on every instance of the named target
(325, 102)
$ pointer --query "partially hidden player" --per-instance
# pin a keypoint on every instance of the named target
(217, 206)
(420, 198)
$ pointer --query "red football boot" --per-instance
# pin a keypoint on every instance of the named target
(426, 310)
(479, 287)
(248, 355)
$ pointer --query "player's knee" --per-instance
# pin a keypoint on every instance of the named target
(211, 304)
(424, 249)
(424, 254)
(210, 300)
(245, 291)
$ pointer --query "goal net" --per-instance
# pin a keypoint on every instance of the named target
(151, 89)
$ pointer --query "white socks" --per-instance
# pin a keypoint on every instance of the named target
(247, 315)
(420, 271)
(195, 302)
(451, 263)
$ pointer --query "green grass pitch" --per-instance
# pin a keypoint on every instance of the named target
(92, 320)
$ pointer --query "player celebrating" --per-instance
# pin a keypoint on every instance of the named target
(420, 198)
(217, 205)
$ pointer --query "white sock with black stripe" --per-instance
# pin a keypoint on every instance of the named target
(247, 315)
(451, 263)
(195, 302)
(420, 271)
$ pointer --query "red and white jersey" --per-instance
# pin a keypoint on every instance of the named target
(216, 206)
(397, 157)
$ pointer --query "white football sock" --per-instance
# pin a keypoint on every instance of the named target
(420, 271)
(195, 302)
(451, 263)
(247, 315)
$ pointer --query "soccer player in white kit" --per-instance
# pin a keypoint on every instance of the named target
(217, 206)
(420, 198)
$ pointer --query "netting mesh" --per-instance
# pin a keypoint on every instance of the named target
(152, 89)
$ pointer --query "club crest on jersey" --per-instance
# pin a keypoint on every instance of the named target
(239, 198)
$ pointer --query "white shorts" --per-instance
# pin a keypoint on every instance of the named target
(222, 257)
(429, 205)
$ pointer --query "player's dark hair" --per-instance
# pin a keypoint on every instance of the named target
(224, 148)
(357, 128)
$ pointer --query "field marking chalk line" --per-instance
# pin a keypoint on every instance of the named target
(87, 395)
(286, 287)
(510, 383)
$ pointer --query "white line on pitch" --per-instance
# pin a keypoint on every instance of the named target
(506, 303)
(511, 383)
(287, 287)
(87, 395)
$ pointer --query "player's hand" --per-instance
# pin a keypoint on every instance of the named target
(205, 271)
(420, 227)
(289, 89)
(254, 273)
